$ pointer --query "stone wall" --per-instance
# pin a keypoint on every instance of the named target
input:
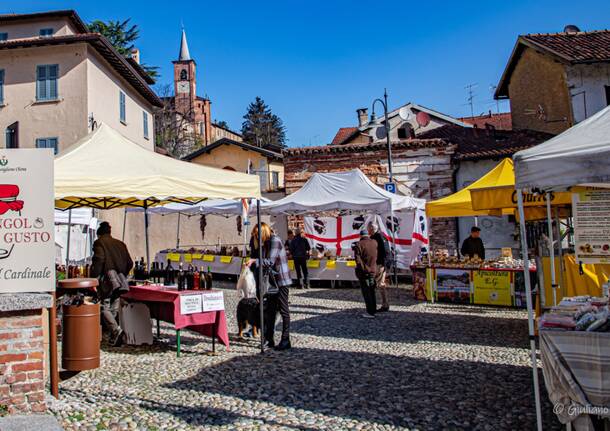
(422, 168)
(22, 385)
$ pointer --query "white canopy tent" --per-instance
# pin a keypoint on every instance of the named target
(350, 190)
(578, 156)
(224, 207)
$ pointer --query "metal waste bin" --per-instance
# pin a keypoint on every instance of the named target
(81, 334)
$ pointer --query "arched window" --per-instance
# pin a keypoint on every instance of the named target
(405, 131)
(183, 75)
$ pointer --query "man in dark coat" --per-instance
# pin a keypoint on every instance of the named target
(383, 258)
(110, 261)
(473, 245)
(365, 253)
(299, 250)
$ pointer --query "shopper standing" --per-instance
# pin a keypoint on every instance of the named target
(111, 263)
(300, 249)
(275, 269)
(365, 253)
(383, 255)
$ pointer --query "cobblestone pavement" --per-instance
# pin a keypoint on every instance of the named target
(420, 366)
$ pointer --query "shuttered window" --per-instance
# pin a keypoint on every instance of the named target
(47, 143)
(46, 82)
(122, 106)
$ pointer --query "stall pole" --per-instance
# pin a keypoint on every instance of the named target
(178, 232)
(394, 257)
(551, 247)
(560, 253)
(260, 274)
(528, 300)
(68, 242)
(53, 347)
(146, 235)
(124, 223)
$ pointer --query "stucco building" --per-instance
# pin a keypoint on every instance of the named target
(57, 81)
(556, 80)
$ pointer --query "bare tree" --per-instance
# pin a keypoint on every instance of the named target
(174, 131)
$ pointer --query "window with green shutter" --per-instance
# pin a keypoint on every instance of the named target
(122, 106)
(46, 82)
(47, 143)
(145, 124)
(1, 86)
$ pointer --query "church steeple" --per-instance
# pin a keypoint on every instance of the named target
(184, 55)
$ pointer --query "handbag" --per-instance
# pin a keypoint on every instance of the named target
(111, 281)
(270, 286)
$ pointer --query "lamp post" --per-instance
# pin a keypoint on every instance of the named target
(384, 103)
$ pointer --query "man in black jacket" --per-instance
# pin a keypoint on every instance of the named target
(383, 254)
(299, 250)
(473, 245)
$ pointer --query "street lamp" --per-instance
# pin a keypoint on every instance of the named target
(384, 103)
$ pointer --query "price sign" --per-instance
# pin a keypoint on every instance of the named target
(213, 301)
(190, 304)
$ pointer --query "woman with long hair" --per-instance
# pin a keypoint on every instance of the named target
(275, 267)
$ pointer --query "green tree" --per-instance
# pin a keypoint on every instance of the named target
(222, 124)
(122, 35)
(263, 128)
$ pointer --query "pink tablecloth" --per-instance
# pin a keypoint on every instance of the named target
(165, 305)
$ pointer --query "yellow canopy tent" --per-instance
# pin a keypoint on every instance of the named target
(106, 170)
(459, 204)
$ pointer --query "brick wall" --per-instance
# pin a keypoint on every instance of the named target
(21, 362)
(423, 167)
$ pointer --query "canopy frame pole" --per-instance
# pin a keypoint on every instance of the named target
(562, 284)
(178, 232)
(260, 275)
(124, 224)
(528, 300)
(68, 241)
(549, 220)
(394, 257)
(146, 235)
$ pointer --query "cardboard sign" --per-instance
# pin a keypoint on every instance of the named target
(213, 301)
(492, 287)
(591, 211)
(27, 229)
(190, 304)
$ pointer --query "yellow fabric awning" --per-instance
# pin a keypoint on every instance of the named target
(105, 170)
(459, 204)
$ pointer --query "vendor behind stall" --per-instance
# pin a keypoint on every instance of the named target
(473, 245)
(111, 263)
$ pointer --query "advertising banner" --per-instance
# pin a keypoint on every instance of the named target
(27, 241)
(492, 287)
(453, 285)
(591, 210)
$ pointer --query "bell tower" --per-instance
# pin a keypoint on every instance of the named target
(184, 80)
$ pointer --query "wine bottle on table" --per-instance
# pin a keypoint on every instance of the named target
(189, 278)
(202, 279)
(180, 277)
(196, 279)
(168, 274)
(208, 279)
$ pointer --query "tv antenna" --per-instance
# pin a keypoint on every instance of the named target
(470, 89)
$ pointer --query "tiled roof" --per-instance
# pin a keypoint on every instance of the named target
(227, 141)
(343, 134)
(80, 26)
(103, 47)
(569, 48)
(581, 47)
(475, 143)
(355, 148)
(501, 121)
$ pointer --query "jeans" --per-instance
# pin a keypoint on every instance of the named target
(367, 285)
(275, 303)
(110, 311)
(300, 265)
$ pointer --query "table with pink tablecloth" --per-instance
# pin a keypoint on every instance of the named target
(164, 304)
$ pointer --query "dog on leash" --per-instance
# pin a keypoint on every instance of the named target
(248, 307)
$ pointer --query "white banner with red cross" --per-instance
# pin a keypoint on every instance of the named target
(337, 234)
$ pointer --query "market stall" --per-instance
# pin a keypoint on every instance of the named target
(575, 159)
(337, 205)
(105, 170)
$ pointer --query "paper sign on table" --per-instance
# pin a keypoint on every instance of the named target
(188, 257)
(331, 264)
(213, 301)
(226, 259)
(350, 263)
(313, 264)
(291, 265)
(190, 304)
(173, 257)
(197, 256)
(208, 258)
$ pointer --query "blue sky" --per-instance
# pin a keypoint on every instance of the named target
(315, 62)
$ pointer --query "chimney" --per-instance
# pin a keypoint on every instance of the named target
(135, 54)
(363, 116)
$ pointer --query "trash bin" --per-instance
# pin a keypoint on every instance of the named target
(81, 335)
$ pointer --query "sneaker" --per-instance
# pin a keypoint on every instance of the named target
(118, 339)
(284, 345)
(368, 316)
(383, 309)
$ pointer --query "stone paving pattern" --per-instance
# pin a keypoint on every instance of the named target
(421, 366)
